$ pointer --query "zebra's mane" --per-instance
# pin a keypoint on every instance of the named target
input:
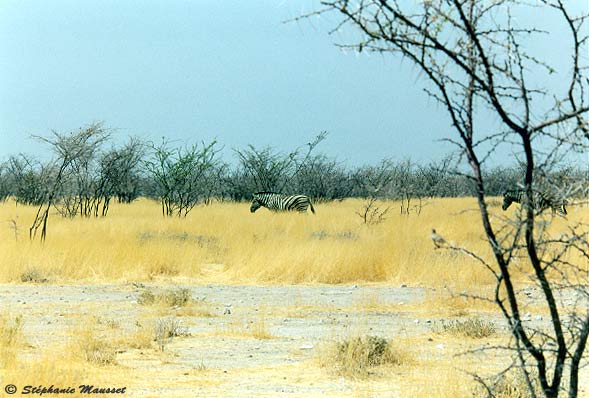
(265, 192)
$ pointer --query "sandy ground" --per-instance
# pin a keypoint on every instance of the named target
(219, 354)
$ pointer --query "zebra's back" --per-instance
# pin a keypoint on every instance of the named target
(279, 202)
(540, 201)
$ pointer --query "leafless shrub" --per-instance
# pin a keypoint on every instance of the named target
(372, 212)
(165, 330)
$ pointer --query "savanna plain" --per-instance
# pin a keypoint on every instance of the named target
(225, 303)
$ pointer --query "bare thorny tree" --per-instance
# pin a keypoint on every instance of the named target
(373, 181)
(272, 171)
(476, 57)
(68, 149)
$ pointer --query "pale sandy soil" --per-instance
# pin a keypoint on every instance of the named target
(219, 355)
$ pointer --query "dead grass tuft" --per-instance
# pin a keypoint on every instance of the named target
(166, 329)
(169, 298)
(95, 349)
(180, 300)
(34, 275)
(358, 356)
(11, 338)
(475, 328)
(511, 384)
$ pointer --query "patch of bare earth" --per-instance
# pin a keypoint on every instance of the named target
(232, 341)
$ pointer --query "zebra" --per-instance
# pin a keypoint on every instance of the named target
(278, 202)
(540, 201)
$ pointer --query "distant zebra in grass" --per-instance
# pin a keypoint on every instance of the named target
(540, 201)
(277, 202)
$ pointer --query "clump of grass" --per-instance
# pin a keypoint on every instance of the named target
(179, 299)
(147, 297)
(32, 275)
(94, 349)
(166, 329)
(198, 308)
(10, 339)
(140, 339)
(475, 328)
(199, 368)
(163, 268)
(357, 356)
(259, 330)
(510, 384)
(10, 331)
(170, 298)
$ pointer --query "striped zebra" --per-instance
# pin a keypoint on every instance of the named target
(277, 202)
(540, 201)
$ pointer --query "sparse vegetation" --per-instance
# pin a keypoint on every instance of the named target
(170, 298)
(165, 330)
(10, 338)
(509, 384)
(475, 328)
(33, 275)
(356, 357)
(93, 348)
(333, 247)
(248, 328)
(142, 337)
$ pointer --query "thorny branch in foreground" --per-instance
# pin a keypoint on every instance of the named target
(475, 58)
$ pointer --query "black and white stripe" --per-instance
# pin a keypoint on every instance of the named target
(540, 201)
(279, 202)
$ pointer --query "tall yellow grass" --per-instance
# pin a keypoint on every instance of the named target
(225, 242)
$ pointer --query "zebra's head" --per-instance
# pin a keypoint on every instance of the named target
(508, 198)
(255, 204)
(506, 202)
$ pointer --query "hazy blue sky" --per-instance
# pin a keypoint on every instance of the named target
(199, 70)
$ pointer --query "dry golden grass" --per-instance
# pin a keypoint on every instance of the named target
(359, 356)
(241, 327)
(11, 339)
(474, 327)
(225, 243)
(92, 348)
(60, 366)
(48, 370)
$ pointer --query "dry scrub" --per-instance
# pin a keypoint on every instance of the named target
(225, 243)
(357, 357)
(475, 328)
(180, 300)
(11, 339)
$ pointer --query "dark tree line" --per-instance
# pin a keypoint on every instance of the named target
(88, 171)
